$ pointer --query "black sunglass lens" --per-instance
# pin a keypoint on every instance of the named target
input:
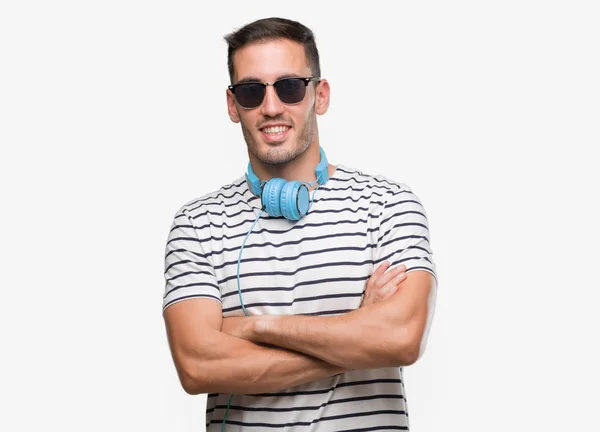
(291, 90)
(250, 95)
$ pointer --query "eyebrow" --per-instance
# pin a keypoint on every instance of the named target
(257, 80)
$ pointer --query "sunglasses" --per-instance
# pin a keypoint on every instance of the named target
(290, 91)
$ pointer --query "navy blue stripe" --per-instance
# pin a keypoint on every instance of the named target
(388, 205)
(362, 198)
(310, 282)
(247, 260)
(349, 179)
(327, 390)
(298, 270)
(232, 185)
(398, 239)
(386, 190)
(328, 312)
(206, 284)
(200, 263)
(295, 257)
(296, 300)
(402, 225)
(370, 177)
(250, 221)
(221, 194)
(318, 420)
(429, 270)
(189, 273)
(204, 201)
(348, 209)
(270, 231)
(400, 261)
(249, 210)
(422, 268)
(184, 239)
(402, 213)
(190, 296)
(381, 195)
(362, 414)
(212, 225)
(279, 245)
(311, 408)
(235, 204)
(376, 428)
(224, 188)
(266, 216)
(225, 205)
(408, 247)
(264, 259)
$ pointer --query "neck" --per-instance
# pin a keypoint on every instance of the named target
(300, 169)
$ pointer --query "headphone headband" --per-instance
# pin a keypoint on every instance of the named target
(321, 171)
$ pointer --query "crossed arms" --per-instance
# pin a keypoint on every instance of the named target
(267, 353)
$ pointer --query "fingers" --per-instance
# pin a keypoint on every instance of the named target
(380, 277)
(383, 283)
(381, 269)
(389, 275)
(392, 286)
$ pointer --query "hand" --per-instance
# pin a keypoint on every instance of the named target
(382, 285)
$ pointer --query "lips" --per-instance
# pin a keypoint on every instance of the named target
(275, 133)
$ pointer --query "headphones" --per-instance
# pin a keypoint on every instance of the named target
(289, 199)
(279, 197)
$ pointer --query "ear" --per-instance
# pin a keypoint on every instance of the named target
(232, 107)
(322, 97)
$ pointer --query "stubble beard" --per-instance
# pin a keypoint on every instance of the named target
(280, 156)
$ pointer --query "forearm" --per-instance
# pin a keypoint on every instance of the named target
(237, 366)
(383, 334)
(369, 337)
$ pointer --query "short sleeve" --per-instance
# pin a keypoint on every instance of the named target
(187, 267)
(404, 236)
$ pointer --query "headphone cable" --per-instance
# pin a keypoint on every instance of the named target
(241, 301)
(240, 290)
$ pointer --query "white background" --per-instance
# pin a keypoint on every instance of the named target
(113, 114)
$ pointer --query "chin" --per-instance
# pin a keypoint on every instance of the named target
(277, 153)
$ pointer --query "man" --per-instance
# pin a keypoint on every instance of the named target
(292, 314)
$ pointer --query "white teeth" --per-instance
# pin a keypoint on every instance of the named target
(275, 129)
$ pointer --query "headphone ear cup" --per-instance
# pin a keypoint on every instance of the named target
(294, 200)
(287, 201)
(270, 196)
(303, 200)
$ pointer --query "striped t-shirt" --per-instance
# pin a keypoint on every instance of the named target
(318, 265)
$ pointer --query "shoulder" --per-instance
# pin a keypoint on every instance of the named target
(374, 181)
(229, 195)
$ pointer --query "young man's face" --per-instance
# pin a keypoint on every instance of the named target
(276, 133)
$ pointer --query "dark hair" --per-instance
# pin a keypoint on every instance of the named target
(267, 29)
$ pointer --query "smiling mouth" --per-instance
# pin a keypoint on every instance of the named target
(275, 133)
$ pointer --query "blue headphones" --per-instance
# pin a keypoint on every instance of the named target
(289, 199)
(279, 198)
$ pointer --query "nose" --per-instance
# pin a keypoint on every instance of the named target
(271, 105)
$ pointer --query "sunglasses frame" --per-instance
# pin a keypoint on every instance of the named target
(306, 81)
